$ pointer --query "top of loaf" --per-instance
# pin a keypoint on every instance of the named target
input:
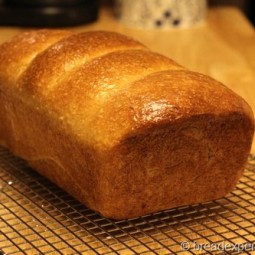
(103, 86)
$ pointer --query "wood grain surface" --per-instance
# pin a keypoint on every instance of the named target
(223, 47)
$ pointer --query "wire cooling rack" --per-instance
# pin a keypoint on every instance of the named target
(37, 217)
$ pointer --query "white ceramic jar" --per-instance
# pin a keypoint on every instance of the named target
(160, 14)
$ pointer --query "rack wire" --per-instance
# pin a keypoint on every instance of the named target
(37, 217)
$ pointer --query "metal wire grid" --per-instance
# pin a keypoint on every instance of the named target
(36, 217)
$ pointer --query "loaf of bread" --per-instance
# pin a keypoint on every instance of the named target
(124, 130)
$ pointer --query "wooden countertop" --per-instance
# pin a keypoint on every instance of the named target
(223, 47)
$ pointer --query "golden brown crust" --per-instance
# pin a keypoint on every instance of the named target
(68, 55)
(124, 130)
(193, 160)
(17, 53)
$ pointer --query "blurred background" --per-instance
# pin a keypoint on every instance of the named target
(246, 6)
(76, 12)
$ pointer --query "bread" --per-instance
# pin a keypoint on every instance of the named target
(124, 130)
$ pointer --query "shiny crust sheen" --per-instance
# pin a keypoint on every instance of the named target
(123, 129)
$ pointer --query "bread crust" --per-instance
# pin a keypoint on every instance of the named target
(124, 130)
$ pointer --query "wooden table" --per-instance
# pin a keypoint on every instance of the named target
(223, 47)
